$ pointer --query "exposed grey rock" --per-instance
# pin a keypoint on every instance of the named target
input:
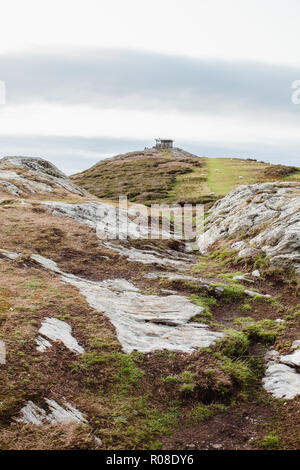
(252, 293)
(98, 441)
(271, 355)
(143, 322)
(150, 256)
(58, 330)
(282, 378)
(111, 223)
(242, 277)
(12, 188)
(256, 273)
(282, 381)
(42, 344)
(239, 245)
(2, 352)
(46, 175)
(9, 254)
(296, 344)
(292, 359)
(35, 164)
(249, 253)
(107, 220)
(274, 208)
(30, 185)
(168, 291)
(33, 414)
(219, 290)
(171, 276)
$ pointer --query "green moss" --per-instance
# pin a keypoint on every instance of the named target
(240, 370)
(201, 413)
(128, 373)
(231, 292)
(204, 412)
(187, 389)
(209, 372)
(137, 424)
(171, 379)
(270, 442)
(187, 377)
(261, 261)
(234, 345)
(204, 301)
(263, 330)
(247, 307)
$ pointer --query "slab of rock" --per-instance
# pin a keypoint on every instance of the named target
(42, 344)
(55, 414)
(272, 208)
(171, 277)
(143, 322)
(57, 330)
(150, 256)
(292, 359)
(2, 352)
(252, 293)
(282, 378)
(111, 223)
(282, 381)
(9, 254)
(107, 220)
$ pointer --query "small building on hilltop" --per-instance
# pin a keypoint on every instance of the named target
(164, 143)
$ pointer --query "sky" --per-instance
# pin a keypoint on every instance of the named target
(85, 80)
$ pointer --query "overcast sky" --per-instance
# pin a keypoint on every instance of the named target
(90, 79)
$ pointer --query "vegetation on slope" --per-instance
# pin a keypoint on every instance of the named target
(211, 399)
(171, 177)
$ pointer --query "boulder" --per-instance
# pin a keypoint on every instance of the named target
(271, 211)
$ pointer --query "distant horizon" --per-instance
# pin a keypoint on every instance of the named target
(73, 155)
(87, 151)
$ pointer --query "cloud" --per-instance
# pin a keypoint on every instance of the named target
(128, 79)
(75, 108)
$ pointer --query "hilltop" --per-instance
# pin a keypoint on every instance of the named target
(140, 343)
(176, 176)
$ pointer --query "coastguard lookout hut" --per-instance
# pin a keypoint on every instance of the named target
(164, 143)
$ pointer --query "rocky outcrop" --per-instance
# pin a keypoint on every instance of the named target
(22, 175)
(111, 224)
(282, 378)
(269, 211)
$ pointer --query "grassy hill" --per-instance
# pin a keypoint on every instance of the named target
(175, 176)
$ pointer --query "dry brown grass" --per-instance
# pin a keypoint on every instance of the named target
(47, 437)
